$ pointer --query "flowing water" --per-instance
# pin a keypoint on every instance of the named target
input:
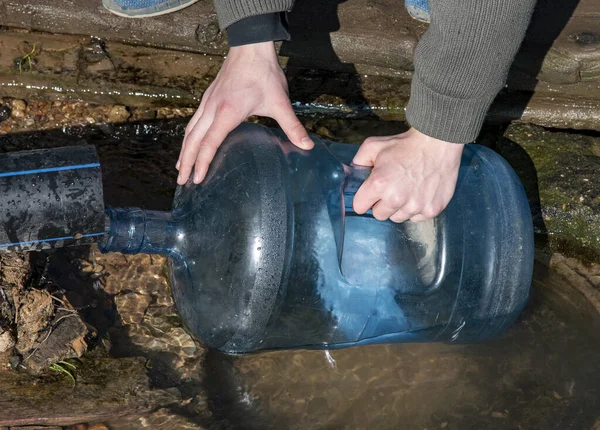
(543, 374)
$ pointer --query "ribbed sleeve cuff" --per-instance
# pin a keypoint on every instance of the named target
(445, 118)
(231, 11)
(257, 29)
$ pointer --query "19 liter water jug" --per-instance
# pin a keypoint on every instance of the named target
(267, 252)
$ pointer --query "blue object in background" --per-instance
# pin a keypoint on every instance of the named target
(267, 252)
(145, 8)
(418, 9)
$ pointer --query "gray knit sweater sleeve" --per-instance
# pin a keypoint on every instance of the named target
(231, 11)
(461, 63)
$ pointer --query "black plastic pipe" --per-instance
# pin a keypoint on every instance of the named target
(50, 198)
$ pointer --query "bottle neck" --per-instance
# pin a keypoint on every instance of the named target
(138, 231)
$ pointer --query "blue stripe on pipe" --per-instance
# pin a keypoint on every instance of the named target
(54, 239)
(49, 169)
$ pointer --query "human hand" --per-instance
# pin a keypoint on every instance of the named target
(413, 177)
(250, 82)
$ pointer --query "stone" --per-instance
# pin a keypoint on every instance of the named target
(132, 307)
(118, 114)
(6, 341)
(19, 104)
(5, 113)
(35, 310)
(18, 113)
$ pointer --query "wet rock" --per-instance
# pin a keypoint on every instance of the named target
(553, 167)
(107, 388)
(6, 341)
(323, 131)
(132, 307)
(16, 113)
(209, 34)
(34, 312)
(143, 114)
(66, 340)
(19, 105)
(118, 114)
(5, 113)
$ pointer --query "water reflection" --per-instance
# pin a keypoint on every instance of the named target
(544, 373)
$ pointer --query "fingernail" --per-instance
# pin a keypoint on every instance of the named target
(180, 179)
(307, 143)
(197, 178)
(177, 165)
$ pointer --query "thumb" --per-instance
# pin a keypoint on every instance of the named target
(293, 128)
(368, 152)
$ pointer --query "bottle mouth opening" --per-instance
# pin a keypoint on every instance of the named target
(105, 242)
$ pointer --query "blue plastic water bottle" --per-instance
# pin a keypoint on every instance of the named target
(267, 252)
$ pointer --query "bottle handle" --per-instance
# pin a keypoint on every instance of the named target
(355, 176)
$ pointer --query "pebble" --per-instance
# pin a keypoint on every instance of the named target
(18, 113)
(6, 341)
(499, 415)
(19, 104)
(5, 112)
(323, 131)
(118, 114)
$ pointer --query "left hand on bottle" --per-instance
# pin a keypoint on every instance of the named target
(413, 177)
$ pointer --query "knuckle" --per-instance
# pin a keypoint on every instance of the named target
(378, 180)
(412, 207)
(430, 212)
(370, 141)
(296, 127)
(398, 217)
(282, 101)
(396, 199)
(226, 108)
(379, 215)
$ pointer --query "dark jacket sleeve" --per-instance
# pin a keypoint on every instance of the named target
(259, 28)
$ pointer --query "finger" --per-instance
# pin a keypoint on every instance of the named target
(192, 124)
(216, 134)
(418, 218)
(367, 152)
(366, 196)
(427, 213)
(192, 142)
(382, 211)
(293, 128)
(400, 216)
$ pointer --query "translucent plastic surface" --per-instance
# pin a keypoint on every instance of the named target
(267, 253)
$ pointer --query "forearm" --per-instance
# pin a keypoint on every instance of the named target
(461, 63)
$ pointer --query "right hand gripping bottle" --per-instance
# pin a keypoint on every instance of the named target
(267, 252)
